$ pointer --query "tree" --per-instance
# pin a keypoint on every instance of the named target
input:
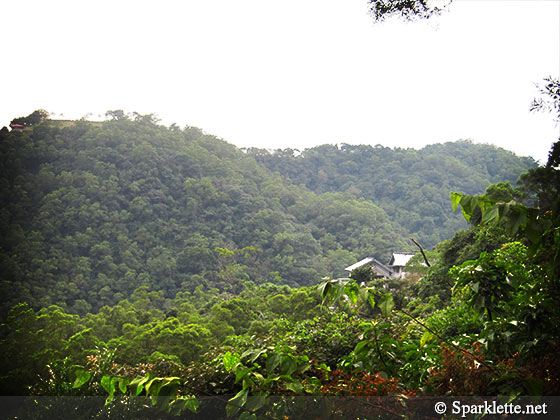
(117, 115)
(407, 9)
(34, 118)
(502, 191)
(535, 220)
(363, 274)
(550, 102)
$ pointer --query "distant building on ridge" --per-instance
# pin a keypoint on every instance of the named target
(17, 127)
(394, 270)
(397, 264)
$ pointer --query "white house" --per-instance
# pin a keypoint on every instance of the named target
(394, 270)
(397, 264)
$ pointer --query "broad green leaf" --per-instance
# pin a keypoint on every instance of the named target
(169, 386)
(466, 210)
(113, 385)
(82, 376)
(491, 214)
(386, 304)
(108, 385)
(295, 387)
(150, 384)
(106, 382)
(371, 299)
(324, 289)
(272, 362)
(427, 336)
(235, 403)
(257, 354)
(288, 365)
(515, 221)
(191, 403)
(246, 353)
(351, 290)
(137, 385)
(176, 407)
(360, 346)
(180, 404)
(168, 390)
(455, 200)
(240, 373)
(123, 384)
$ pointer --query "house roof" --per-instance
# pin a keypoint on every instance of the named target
(378, 267)
(400, 260)
(359, 264)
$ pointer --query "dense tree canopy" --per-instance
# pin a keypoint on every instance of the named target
(412, 186)
(91, 211)
(166, 262)
(33, 118)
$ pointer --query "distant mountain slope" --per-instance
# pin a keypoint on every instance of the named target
(91, 211)
(412, 186)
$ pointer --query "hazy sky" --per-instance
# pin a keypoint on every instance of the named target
(295, 73)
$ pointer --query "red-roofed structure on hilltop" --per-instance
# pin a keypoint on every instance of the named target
(17, 127)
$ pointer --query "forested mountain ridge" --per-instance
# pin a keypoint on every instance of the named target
(92, 211)
(149, 256)
(412, 186)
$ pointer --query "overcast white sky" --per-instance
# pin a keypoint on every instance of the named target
(295, 73)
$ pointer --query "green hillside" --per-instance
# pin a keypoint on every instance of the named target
(143, 260)
(412, 186)
(92, 211)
